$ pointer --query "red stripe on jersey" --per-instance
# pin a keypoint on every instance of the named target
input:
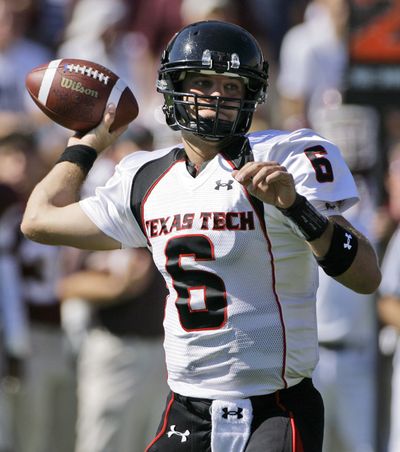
(164, 427)
(264, 230)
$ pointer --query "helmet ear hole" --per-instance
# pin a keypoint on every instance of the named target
(212, 47)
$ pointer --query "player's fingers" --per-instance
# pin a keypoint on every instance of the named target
(248, 171)
(100, 138)
(267, 174)
(109, 115)
(245, 172)
(120, 131)
(282, 177)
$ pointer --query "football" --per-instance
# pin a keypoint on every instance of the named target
(74, 94)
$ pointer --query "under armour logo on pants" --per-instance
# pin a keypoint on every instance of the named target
(183, 435)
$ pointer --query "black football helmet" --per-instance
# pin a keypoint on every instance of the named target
(211, 47)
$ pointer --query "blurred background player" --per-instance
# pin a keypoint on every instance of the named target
(121, 366)
(44, 405)
(18, 55)
(313, 61)
(389, 301)
(14, 340)
(347, 324)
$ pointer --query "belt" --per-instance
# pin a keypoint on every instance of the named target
(276, 400)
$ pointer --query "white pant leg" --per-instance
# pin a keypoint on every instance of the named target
(121, 392)
(346, 380)
(394, 437)
(46, 406)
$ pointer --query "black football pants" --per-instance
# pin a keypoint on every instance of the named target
(289, 420)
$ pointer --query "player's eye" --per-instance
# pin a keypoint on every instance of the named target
(233, 87)
(201, 83)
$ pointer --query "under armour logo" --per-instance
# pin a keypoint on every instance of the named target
(330, 206)
(228, 184)
(237, 413)
(183, 435)
(347, 244)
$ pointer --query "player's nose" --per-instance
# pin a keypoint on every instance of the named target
(218, 89)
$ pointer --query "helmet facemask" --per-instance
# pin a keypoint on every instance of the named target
(212, 48)
(182, 112)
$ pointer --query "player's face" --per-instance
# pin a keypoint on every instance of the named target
(215, 86)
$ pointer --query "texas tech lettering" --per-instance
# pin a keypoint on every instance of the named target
(163, 226)
(215, 221)
(231, 221)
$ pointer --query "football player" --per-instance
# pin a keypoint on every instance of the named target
(237, 224)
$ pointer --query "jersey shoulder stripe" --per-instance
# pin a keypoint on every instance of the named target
(147, 175)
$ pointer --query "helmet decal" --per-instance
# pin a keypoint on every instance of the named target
(209, 57)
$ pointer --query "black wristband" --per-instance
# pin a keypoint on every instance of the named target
(80, 154)
(311, 223)
(341, 253)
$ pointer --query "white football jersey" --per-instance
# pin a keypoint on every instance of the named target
(240, 317)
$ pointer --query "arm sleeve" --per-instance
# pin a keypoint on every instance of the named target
(110, 211)
(319, 170)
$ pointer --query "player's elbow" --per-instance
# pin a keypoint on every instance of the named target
(32, 229)
(27, 227)
(365, 280)
(372, 282)
(365, 275)
(370, 276)
(366, 283)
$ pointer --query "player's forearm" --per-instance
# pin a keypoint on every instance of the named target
(363, 275)
(61, 187)
(341, 251)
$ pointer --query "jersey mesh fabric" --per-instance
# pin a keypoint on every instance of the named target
(248, 342)
(240, 318)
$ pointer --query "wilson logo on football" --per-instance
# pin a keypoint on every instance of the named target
(77, 86)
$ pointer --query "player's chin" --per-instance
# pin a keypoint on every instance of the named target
(212, 114)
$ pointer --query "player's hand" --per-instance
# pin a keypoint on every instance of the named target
(100, 138)
(269, 182)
